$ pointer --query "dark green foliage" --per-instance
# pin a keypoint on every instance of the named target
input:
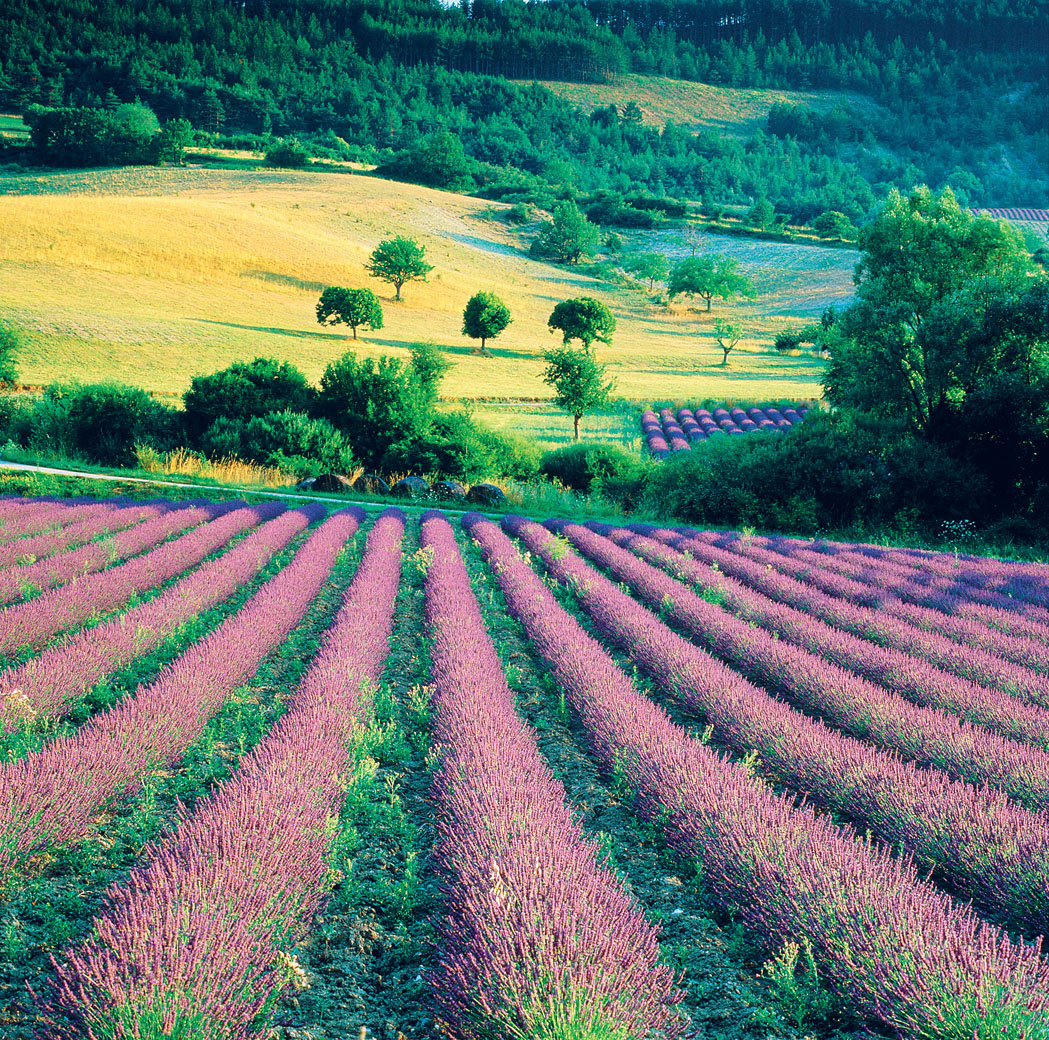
(518, 213)
(99, 423)
(933, 284)
(485, 317)
(584, 319)
(456, 447)
(832, 472)
(10, 347)
(399, 260)
(581, 466)
(832, 224)
(787, 340)
(242, 391)
(438, 161)
(567, 237)
(578, 380)
(947, 89)
(176, 135)
(610, 208)
(376, 402)
(353, 307)
(287, 153)
(82, 136)
(290, 441)
(761, 213)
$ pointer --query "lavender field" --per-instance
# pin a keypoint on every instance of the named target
(281, 772)
(677, 430)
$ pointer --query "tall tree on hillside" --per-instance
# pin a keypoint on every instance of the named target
(583, 318)
(578, 380)
(399, 260)
(10, 345)
(485, 317)
(568, 236)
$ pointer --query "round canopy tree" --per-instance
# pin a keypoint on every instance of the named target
(485, 317)
(583, 318)
(399, 260)
(353, 307)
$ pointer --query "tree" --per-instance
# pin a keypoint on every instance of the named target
(568, 236)
(437, 160)
(578, 381)
(583, 318)
(176, 135)
(727, 335)
(935, 288)
(351, 307)
(761, 214)
(399, 260)
(647, 265)
(10, 346)
(832, 224)
(707, 277)
(485, 317)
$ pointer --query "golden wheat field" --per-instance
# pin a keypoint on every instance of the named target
(151, 276)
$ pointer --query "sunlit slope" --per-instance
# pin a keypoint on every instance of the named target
(697, 106)
(152, 276)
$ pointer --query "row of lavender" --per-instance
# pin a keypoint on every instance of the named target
(667, 432)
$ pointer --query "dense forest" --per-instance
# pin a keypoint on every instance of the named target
(953, 93)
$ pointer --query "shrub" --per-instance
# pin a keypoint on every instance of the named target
(578, 466)
(243, 390)
(289, 441)
(832, 472)
(458, 448)
(287, 153)
(100, 423)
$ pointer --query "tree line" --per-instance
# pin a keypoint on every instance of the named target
(377, 78)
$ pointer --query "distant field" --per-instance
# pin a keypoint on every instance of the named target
(154, 275)
(695, 106)
(13, 126)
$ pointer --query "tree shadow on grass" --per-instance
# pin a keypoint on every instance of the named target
(295, 333)
(284, 279)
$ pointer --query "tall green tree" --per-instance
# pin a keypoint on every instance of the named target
(399, 260)
(707, 277)
(485, 317)
(578, 380)
(353, 307)
(568, 236)
(583, 318)
(919, 338)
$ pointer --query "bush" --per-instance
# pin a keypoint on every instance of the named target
(10, 347)
(100, 423)
(458, 448)
(289, 441)
(287, 153)
(77, 136)
(519, 213)
(377, 402)
(579, 466)
(837, 471)
(243, 390)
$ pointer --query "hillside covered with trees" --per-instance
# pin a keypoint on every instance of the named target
(952, 93)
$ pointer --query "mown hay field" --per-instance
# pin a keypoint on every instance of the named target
(154, 275)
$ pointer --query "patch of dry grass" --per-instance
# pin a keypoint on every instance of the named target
(696, 106)
(151, 276)
(224, 471)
